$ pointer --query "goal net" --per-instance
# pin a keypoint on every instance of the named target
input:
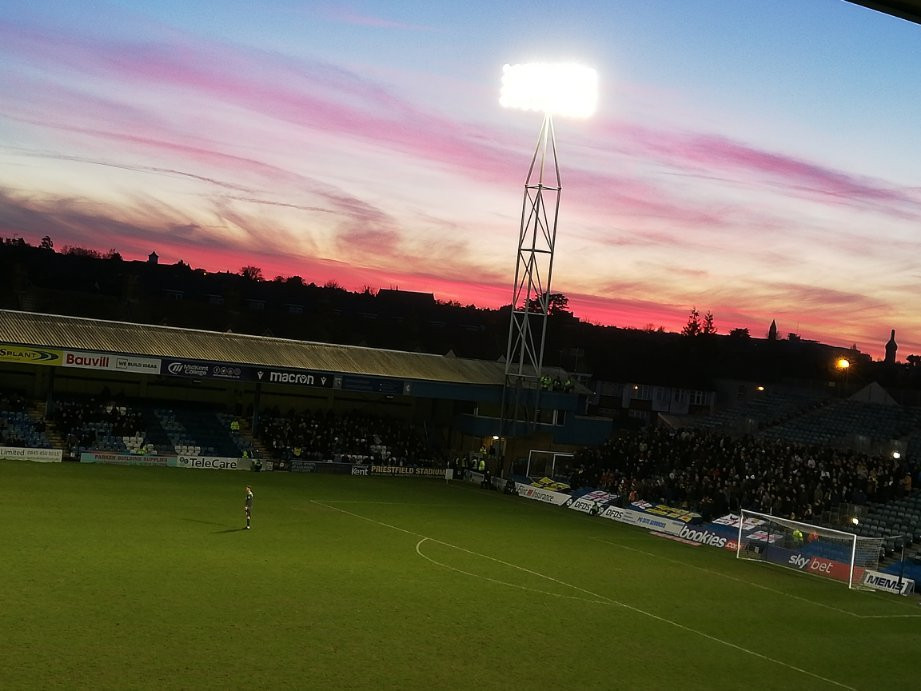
(546, 464)
(824, 552)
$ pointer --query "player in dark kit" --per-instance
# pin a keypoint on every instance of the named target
(248, 505)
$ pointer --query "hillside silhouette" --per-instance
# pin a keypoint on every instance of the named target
(88, 283)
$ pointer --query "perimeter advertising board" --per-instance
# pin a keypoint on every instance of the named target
(592, 502)
(125, 459)
(666, 511)
(18, 453)
(392, 387)
(107, 361)
(295, 377)
(408, 471)
(27, 355)
(669, 526)
(201, 369)
(801, 560)
(301, 465)
(548, 496)
(888, 582)
(213, 463)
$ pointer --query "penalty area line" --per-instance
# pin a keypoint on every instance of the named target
(758, 585)
(726, 576)
(600, 598)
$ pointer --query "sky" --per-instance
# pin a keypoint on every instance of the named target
(758, 159)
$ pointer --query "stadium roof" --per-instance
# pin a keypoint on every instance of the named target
(909, 10)
(75, 333)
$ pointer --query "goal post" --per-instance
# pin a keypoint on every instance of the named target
(544, 463)
(814, 549)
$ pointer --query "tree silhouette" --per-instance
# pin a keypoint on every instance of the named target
(556, 303)
(708, 328)
(251, 273)
(693, 327)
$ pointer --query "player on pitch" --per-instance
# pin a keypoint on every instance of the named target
(248, 505)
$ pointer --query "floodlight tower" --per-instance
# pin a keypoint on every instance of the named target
(562, 89)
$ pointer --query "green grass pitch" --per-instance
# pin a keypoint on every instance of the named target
(134, 578)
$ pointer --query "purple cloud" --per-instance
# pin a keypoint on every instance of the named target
(712, 156)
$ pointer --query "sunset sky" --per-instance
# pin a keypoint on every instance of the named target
(756, 158)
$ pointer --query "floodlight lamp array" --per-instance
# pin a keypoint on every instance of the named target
(565, 89)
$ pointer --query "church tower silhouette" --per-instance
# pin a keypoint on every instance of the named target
(891, 348)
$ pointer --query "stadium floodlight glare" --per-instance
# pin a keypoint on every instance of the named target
(565, 89)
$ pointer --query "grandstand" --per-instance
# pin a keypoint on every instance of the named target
(167, 386)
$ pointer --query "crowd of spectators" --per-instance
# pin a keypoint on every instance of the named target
(91, 424)
(714, 474)
(352, 437)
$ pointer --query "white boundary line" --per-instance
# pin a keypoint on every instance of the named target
(598, 598)
(758, 585)
(386, 503)
(498, 582)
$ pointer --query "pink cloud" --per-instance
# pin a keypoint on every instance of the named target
(319, 96)
(712, 154)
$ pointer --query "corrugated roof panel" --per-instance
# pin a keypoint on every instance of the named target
(55, 331)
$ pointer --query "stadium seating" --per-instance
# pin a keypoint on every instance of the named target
(94, 425)
(349, 437)
(17, 428)
(766, 409)
(849, 422)
(198, 432)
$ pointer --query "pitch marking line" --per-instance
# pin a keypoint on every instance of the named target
(595, 596)
(759, 585)
(497, 581)
(726, 576)
(386, 503)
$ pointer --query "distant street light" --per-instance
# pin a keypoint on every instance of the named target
(844, 366)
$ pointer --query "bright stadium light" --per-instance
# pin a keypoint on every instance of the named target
(563, 88)
(896, 455)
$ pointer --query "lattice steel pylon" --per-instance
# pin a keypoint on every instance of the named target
(527, 332)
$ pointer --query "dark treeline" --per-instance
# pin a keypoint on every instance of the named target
(87, 283)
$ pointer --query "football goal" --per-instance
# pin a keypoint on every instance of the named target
(823, 552)
(547, 463)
